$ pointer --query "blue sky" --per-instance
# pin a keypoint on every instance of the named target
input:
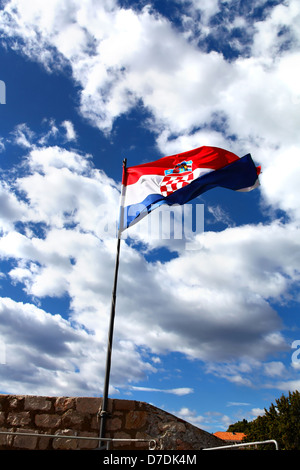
(207, 333)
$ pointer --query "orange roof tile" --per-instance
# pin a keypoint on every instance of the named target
(230, 436)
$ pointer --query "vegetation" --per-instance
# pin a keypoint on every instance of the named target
(240, 426)
(281, 422)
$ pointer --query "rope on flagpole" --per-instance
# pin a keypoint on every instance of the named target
(103, 412)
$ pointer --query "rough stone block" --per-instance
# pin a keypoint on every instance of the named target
(3, 402)
(37, 403)
(21, 418)
(25, 442)
(64, 443)
(135, 420)
(95, 422)
(72, 419)
(122, 435)
(5, 439)
(64, 403)
(47, 421)
(16, 403)
(123, 405)
(44, 443)
(88, 405)
(146, 438)
(113, 424)
(2, 418)
(88, 444)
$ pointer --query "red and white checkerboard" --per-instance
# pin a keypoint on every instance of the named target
(171, 183)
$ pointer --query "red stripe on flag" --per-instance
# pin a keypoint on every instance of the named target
(202, 157)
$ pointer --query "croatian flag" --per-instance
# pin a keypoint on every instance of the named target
(179, 178)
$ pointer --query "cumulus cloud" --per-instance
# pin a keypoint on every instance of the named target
(120, 57)
(48, 354)
(70, 131)
(62, 249)
(209, 420)
(174, 391)
(11, 209)
(218, 297)
(191, 416)
(38, 347)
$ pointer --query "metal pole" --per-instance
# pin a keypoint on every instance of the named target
(151, 442)
(246, 444)
(104, 412)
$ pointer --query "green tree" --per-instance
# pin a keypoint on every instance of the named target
(239, 426)
(281, 422)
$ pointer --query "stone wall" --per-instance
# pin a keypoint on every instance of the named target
(70, 416)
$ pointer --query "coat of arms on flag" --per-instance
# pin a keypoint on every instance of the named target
(177, 177)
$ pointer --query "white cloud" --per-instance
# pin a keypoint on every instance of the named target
(210, 421)
(289, 386)
(23, 135)
(279, 180)
(191, 416)
(46, 354)
(11, 209)
(174, 391)
(119, 56)
(213, 312)
(279, 31)
(63, 189)
(220, 215)
(39, 347)
(218, 298)
(70, 131)
(274, 369)
(255, 412)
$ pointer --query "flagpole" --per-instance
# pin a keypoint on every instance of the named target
(104, 412)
